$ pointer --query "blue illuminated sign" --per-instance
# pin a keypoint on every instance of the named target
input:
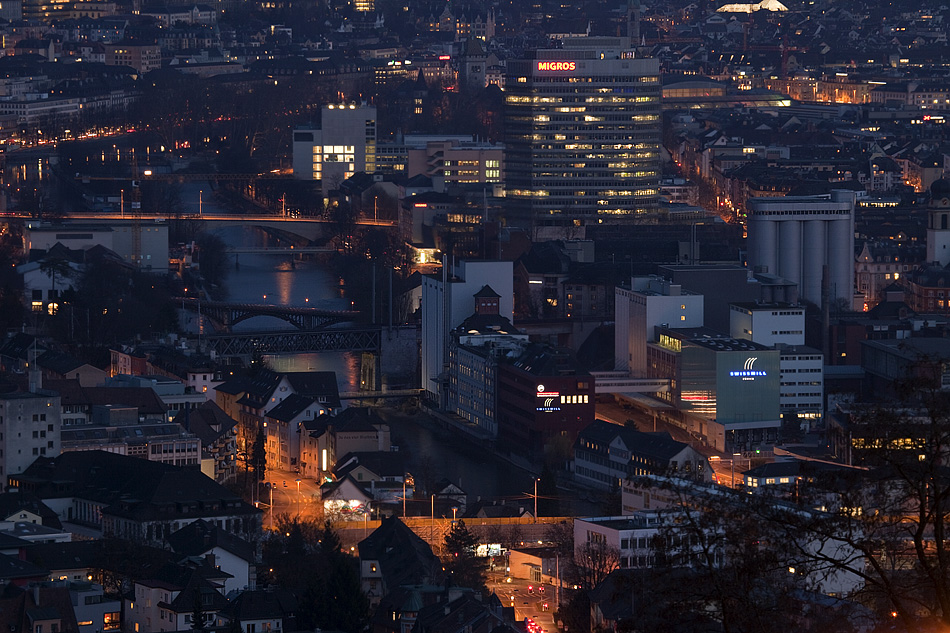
(748, 373)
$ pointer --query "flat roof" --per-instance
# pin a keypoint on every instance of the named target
(752, 305)
(729, 344)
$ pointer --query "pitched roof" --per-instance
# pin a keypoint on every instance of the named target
(487, 292)
(381, 463)
(19, 346)
(261, 605)
(12, 567)
(129, 486)
(207, 421)
(59, 362)
(352, 419)
(21, 608)
(200, 537)
(404, 558)
(319, 385)
(290, 407)
(13, 502)
(486, 324)
(656, 446)
(108, 554)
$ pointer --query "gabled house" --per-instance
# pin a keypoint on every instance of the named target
(248, 399)
(285, 426)
(169, 601)
(394, 556)
(59, 366)
(447, 493)
(223, 550)
(216, 431)
(273, 610)
(376, 466)
(38, 610)
(606, 454)
(353, 430)
(346, 499)
(134, 499)
(27, 508)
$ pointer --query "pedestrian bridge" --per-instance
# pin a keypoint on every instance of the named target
(622, 382)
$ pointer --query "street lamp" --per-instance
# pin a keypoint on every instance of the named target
(298, 496)
(270, 486)
(734, 455)
(536, 499)
(454, 510)
(199, 201)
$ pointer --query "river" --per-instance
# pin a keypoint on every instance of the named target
(432, 452)
(272, 279)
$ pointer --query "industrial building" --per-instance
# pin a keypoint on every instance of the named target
(447, 300)
(796, 237)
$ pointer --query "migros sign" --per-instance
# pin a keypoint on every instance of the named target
(557, 65)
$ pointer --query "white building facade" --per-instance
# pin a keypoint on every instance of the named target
(802, 386)
(343, 145)
(446, 302)
(649, 302)
(768, 324)
(31, 429)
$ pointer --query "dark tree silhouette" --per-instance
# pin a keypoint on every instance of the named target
(259, 456)
(465, 568)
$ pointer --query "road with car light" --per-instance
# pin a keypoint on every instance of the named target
(532, 602)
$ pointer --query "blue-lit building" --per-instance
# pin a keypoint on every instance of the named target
(727, 389)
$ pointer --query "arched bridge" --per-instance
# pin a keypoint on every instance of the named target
(224, 315)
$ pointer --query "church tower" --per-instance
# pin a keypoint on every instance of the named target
(633, 22)
(938, 223)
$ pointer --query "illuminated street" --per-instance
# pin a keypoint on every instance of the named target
(526, 598)
(286, 499)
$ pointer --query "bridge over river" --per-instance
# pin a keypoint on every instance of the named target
(224, 316)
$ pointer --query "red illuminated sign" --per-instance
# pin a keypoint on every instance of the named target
(557, 65)
(444, 57)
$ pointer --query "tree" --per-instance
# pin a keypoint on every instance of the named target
(197, 612)
(213, 260)
(461, 563)
(56, 266)
(791, 430)
(259, 456)
(593, 561)
(330, 541)
(547, 493)
(887, 527)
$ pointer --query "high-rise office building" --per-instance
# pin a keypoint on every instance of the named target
(582, 135)
(344, 145)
